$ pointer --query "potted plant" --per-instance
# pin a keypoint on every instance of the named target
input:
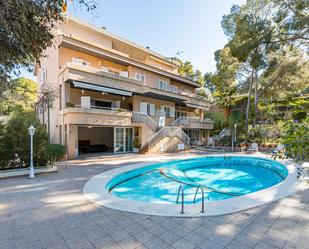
(69, 104)
(136, 145)
(242, 147)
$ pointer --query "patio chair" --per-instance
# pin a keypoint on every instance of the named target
(253, 148)
(279, 149)
(303, 171)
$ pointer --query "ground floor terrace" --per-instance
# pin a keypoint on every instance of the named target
(51, 211)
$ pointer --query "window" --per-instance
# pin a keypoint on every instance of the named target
(43, 76)
(163, 85)
(147, 108)
(101, 104)
(174, 89)
(80, 62)
(169, 111)
(180, 114)
(140, 77)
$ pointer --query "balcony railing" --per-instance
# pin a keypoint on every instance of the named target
(168, 88)
(193, 123)
(122, 75)
(104, 108)
(104, 70)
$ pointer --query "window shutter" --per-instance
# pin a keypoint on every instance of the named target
(143, 107)
(152, 109)
(85, 102)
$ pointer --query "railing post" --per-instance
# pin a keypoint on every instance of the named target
(203, 202)
(182, 202)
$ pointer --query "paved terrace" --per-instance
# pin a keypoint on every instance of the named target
(51, 212)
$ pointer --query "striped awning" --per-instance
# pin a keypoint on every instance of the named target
(94, 87)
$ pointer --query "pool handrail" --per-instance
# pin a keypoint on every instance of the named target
(203, 199)
(182, 199)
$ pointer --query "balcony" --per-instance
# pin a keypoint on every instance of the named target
(116, 79)
(194, 123)
(96, 115)
(100, 76)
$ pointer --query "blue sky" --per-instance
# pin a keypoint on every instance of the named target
(166, 26)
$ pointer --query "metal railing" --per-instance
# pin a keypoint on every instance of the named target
(203, 197)
(140, 117)
(167, 131)
(181, 190)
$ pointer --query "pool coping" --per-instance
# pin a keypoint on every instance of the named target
(96, 191)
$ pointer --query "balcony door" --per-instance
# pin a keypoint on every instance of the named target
(123, 141)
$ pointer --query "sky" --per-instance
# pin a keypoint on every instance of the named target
(166, 26)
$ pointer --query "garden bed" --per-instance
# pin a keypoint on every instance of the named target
(4, 174)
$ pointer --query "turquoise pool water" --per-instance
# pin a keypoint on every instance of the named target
(220, 177)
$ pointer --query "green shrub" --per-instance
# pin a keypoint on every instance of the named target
(136, 143)
(55, 152)
(15, 141)
(296, 139)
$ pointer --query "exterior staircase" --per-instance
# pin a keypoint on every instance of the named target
(167, 136)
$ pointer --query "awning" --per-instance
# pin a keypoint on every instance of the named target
(89, 86)
(205, 108)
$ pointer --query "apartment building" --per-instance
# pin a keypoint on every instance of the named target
(108, 94)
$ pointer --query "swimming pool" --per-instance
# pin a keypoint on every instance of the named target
(231, 183)
(220, 177)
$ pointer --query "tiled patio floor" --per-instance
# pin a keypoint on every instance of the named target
(51, 212)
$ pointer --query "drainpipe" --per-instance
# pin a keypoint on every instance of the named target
(48, 114)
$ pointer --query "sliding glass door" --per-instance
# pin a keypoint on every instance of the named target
(129, 139)
(119, 144)
(123, 139)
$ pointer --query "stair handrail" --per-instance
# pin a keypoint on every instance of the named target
(157, 136)
(140, 117)
(168, 131)
(179, 121)
(224, 132)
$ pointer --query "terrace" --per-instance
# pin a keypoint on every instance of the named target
(55, 211)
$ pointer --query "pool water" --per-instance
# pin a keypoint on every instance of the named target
(220, 177)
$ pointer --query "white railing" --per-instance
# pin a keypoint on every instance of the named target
(140, 117)
(104, 108)
(107, 70)
(187, 121)
(169, 88)
(167, 131)
(225, 132)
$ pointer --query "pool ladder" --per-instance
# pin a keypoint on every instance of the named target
(203, 199)
(181, 191)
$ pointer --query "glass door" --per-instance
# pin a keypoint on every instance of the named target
(129, 139)
(119, 140)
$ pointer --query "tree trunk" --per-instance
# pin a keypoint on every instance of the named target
(248, 102)
(256, 98)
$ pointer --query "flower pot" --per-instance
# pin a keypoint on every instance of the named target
(135, 150)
